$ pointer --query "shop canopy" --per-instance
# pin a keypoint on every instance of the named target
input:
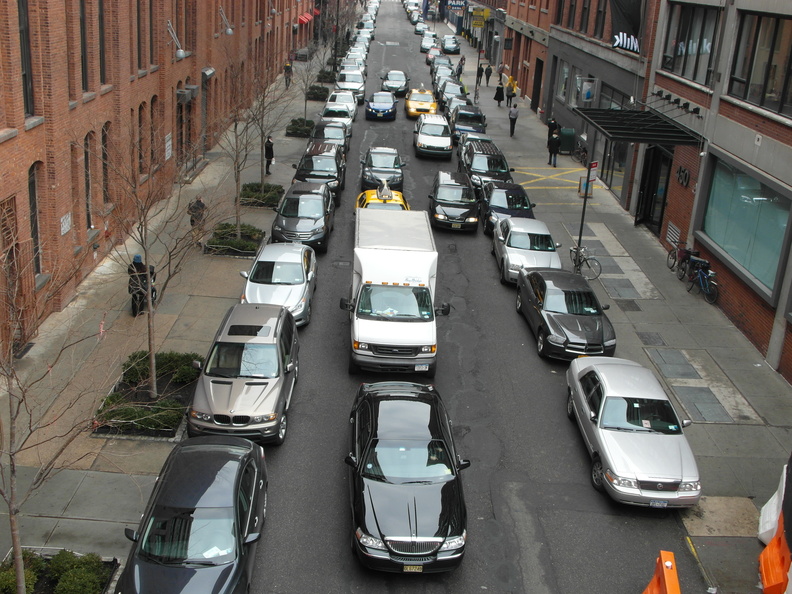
(305, 18)
(647, 126)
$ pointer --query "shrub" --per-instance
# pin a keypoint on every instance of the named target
(300, 127)
(326, 76)
(8, 581)
(62, 563)
(225, 231)
(135, 370)
(257, 194)
(317, 93)
(161, 415)
(79, 580)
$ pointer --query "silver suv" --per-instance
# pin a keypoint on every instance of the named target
(248, 378)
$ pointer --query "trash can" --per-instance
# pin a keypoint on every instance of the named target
(567, 140)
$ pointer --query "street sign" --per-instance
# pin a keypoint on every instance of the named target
(456, 4)
(593, 171)
(477, 23)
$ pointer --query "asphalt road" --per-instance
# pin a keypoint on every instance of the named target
(535, 523)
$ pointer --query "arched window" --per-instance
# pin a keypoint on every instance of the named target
(87, 150)
(107, 197)
(33, 200)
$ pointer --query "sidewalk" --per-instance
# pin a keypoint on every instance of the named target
(741, 408)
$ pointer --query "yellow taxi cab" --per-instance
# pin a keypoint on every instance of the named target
(419, 101)
(383, 198)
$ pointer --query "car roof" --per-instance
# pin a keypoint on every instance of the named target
(525, 225)
(330, 124)
(563, 280)
(251, 322)
(486, 148)
(453, 178)
(422, 92)
(383, 149)
(281, 252)
(621, 377)
(503, 185)
(300, 188)
(467, 108)
(433, 118)
(321, 148)
(393, 403)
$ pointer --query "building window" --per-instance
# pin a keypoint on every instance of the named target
(610, 98)
(748, 220)
(140, 136)
(599, 23)
(762, 66)
(153, 120)
(571, 15)
(584, 16)
(563, 81)
(559, 15)
(689, 41)
(139, 34)
(102, 45)
(26, 58)
(87, 171)
(33, 174)
(152, 37)
(107, 198)
(84, 47)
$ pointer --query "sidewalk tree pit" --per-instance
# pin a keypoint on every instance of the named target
(300, 127)
(129, 409)
(325, 76)
(257, 194)
(225, 243)
(63, 573)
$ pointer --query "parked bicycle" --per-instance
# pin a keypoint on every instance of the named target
(678, 258)
(476, 96)
(702, 276)
(584, 264)
(580, 154)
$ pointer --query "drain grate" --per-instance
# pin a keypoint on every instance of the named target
(651, 338)
(628, 304)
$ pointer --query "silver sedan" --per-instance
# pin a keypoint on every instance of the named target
(523, 243)
(639, 454)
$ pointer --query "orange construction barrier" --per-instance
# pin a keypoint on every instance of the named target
(774, 562)
(665, 579)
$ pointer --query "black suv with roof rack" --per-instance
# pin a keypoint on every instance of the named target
(484, 162)
(322, 163)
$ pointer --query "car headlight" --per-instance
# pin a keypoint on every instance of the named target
(332, 184)
(420, 144)
(277, 228)
(299, 306)
(620, 481)
(440, 217)
(369, 541)
(264, 418)
(360, 346)
(555, 339)
(429, 348)
(514, 266)
(690, 486)
(476, 180)
(610, 343)
(471, 220)
(370, 177)
(200, 416)
(454, 542)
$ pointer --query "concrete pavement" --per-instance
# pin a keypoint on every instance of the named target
(741, 408)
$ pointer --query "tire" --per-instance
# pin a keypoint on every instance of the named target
(584, 159)
(352, 367)
(541, 343)
(519, 302)
(575, 155)
(693, 280)
(682, 270)
(283, 425)
(503, 279)
(308, 315)
(671, 260)
(597, 475)
(570, 407)
(591, 268)
(711, 293)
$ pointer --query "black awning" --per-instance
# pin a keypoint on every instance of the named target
(627, 125)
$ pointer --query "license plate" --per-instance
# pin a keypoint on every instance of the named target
(658, 503)
(379, 115)
(413, 568)
(422, 367)
(456, 225)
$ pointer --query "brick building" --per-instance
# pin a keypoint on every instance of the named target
(101, 101)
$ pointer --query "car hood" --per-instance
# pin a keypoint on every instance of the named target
(453, 211)
(533, 259)
(587, 329)
(142, 576)
(388, 174)
(509, 212)
(298, 224)
(470, 127)
(650, 456)
(228, 396)
(394, 85)
(347, 121)
(424, 510)
(373, 105)
(397, 332)
(285, 295)
(349, 86)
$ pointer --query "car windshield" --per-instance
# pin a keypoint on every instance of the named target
(237, 359)
(330, 132)
(381, 98)
(382, 160)
(489, 164)
(443, 70)
(202, 536)
(455, 195)
(407, 461)
(384, 206)
(422, 97)
(318, 163)
(396, 75)
(435, 130)
(336, 113)
(355, 77)
(390, 302)
(510, 199)
(266, 272)
(579, 303)
(464, 117)
(639, 414)
(531, 241)
(310, 207)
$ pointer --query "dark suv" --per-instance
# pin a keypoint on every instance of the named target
(453, 203)
(330, 133)
(322, 163)
(305, 214)
(484, 162)
(501, 200)
(467, 118)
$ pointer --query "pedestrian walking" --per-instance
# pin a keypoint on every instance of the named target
(553, 146)
(511, 91)
(479, 74)
(552, 126)
(139, 284)
(499, 93)
(513, 114)
(269, 153)
(459, 68)
(501, 68)
(196, 209)
(488, 73)
(287, 73)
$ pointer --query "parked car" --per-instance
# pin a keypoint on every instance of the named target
(484, 162)
(427, 43)
(520, 243)
(419, 101)
(305, 214)
(408, 506)
(339, 112)
(202, 522)
(247, 382)
(467, 118)
(420, 27)
(381, 106)
(353, 63)
(639, 453)
(432, 136)
(323, 163)
(448, 89)
(467, 137)
(396, 82)
(330, 133)
(415, 17)
(352, 80)
(453, 103)
(564, 314)
(500, 200)
(431, 54)
(453, 203)
(381, 163)
(441, 60)
(450, 44)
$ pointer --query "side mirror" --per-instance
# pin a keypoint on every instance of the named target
(593, 416)
(463, 464)
(290, 367)
(606, 306)
(362, 162)
(533, 205)
(196, 365)
(345, 304)
(687, 423)
(558, 245)
(243, 273)
(443, 310)
(350, 460)
(511, 169)
(131, 534)
(294, 165)
(252, 537)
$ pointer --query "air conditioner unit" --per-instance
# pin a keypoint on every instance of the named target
(295, 28)
(183, 96)
(194, 89)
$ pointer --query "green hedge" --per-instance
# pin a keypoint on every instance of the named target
(326, 76)
(135, 370)
(71, 573)
(300, 127)
(228, 231)
(258, 194)
(317, 93)
(161, 415)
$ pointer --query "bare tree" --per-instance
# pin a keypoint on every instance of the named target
(306, 74)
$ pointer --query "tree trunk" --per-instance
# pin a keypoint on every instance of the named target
(11, 499)
(151, 346)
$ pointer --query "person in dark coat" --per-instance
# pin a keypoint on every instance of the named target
(479, 74)
(553, 146)
(552, 126)
(488, 73)
(196, 211)
(499, 96)
(269, 152)
(138, 284)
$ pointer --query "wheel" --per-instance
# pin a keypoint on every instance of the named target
(283, 425)
(308, 315)
(711, 293)
(572, 254)
(692, 280)
(519, 302)
(541, 343)
(353, 367)
(575, 155)
(597, 475)
(570, 405)
(503, 279)
(682, 269)
(591, 268)
(297, 368)
(584, 158)
(671, 260)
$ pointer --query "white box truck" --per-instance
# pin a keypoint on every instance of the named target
(391, 300)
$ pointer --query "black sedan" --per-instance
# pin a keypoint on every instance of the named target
(202, 521)
(396, 82)
(564, 314)
(503, 199)
(408, 509)
(381, 163)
